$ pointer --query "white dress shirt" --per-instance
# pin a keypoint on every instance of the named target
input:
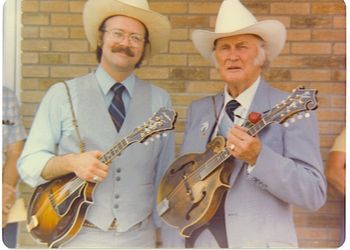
(245, 99)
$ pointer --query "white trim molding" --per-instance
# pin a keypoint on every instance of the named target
(11, 59)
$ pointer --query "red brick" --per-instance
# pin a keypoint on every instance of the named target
(30, 6)
(290, 8)
(329, 35)
(204, 8)
(53, 6)
(311, 48)
(311, 75)
(170, 7)
(66, 19)
(334, 8)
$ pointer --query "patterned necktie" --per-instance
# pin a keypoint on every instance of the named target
(230, 109)
(116, 109)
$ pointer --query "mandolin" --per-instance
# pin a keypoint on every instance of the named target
(57, 209)
(192, 188)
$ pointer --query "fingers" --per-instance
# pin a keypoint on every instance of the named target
(98, 174)
(238, 133)
(243, 146)
(95, 153)
(8, 198)
(235, 138)
(89, 167)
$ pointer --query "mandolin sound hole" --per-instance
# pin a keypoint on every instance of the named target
(181, 167)
(195, 205)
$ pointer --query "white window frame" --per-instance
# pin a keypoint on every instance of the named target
(11, 47)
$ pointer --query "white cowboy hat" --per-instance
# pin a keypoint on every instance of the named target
(96, 11)
(235, 19)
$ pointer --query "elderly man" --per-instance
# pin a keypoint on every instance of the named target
(108, 105)
(279, 168)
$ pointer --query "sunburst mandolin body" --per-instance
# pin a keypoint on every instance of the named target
(56, 215)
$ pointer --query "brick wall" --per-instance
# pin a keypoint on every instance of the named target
(54, 48)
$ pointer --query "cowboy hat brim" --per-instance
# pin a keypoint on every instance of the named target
(272, 32)
(96, 11)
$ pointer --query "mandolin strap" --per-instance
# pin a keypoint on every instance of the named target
(75, 121)
(216, 119)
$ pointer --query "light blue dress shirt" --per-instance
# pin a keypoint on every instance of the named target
(54, 120)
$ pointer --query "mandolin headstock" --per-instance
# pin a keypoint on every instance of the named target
(161, 121)
(300, 100)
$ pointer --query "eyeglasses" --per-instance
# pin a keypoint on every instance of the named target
(118, 35)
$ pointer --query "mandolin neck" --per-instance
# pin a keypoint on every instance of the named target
(219, 158)
(106, 158)
(116, 150)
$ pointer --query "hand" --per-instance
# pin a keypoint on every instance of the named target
(243, 146)
(87, 166)
(8, 199)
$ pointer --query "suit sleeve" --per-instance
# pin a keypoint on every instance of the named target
(294, 172)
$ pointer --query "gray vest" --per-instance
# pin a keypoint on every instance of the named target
(127, 194)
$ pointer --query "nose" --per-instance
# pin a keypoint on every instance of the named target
(233, 55)
(125, 41)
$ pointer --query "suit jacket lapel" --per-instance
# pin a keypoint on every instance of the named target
(261, 101)
(218, 102)
(202, 131)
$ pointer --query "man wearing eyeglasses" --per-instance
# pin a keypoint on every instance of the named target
(109, 104)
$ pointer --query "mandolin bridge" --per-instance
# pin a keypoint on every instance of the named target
(33, 223)
(162, 207)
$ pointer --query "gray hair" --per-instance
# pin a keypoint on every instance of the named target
(261, 58)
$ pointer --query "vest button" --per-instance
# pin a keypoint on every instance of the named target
(117, 179)
(117, 196)
(119, 170)
(116, 206)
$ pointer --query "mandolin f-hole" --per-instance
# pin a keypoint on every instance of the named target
(195, 205)
(183, 166)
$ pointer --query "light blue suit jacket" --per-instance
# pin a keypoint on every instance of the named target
(288, 172)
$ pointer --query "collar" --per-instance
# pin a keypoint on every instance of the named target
(246, 97)
(106, 81)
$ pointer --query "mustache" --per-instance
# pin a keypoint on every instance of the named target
(125, 50)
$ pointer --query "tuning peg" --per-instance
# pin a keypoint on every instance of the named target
(152, 139)
(286, 124)
(307, 115)
(300, 117)
(164, 134)
(157, 136)
(146, 143)
(292, 120)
